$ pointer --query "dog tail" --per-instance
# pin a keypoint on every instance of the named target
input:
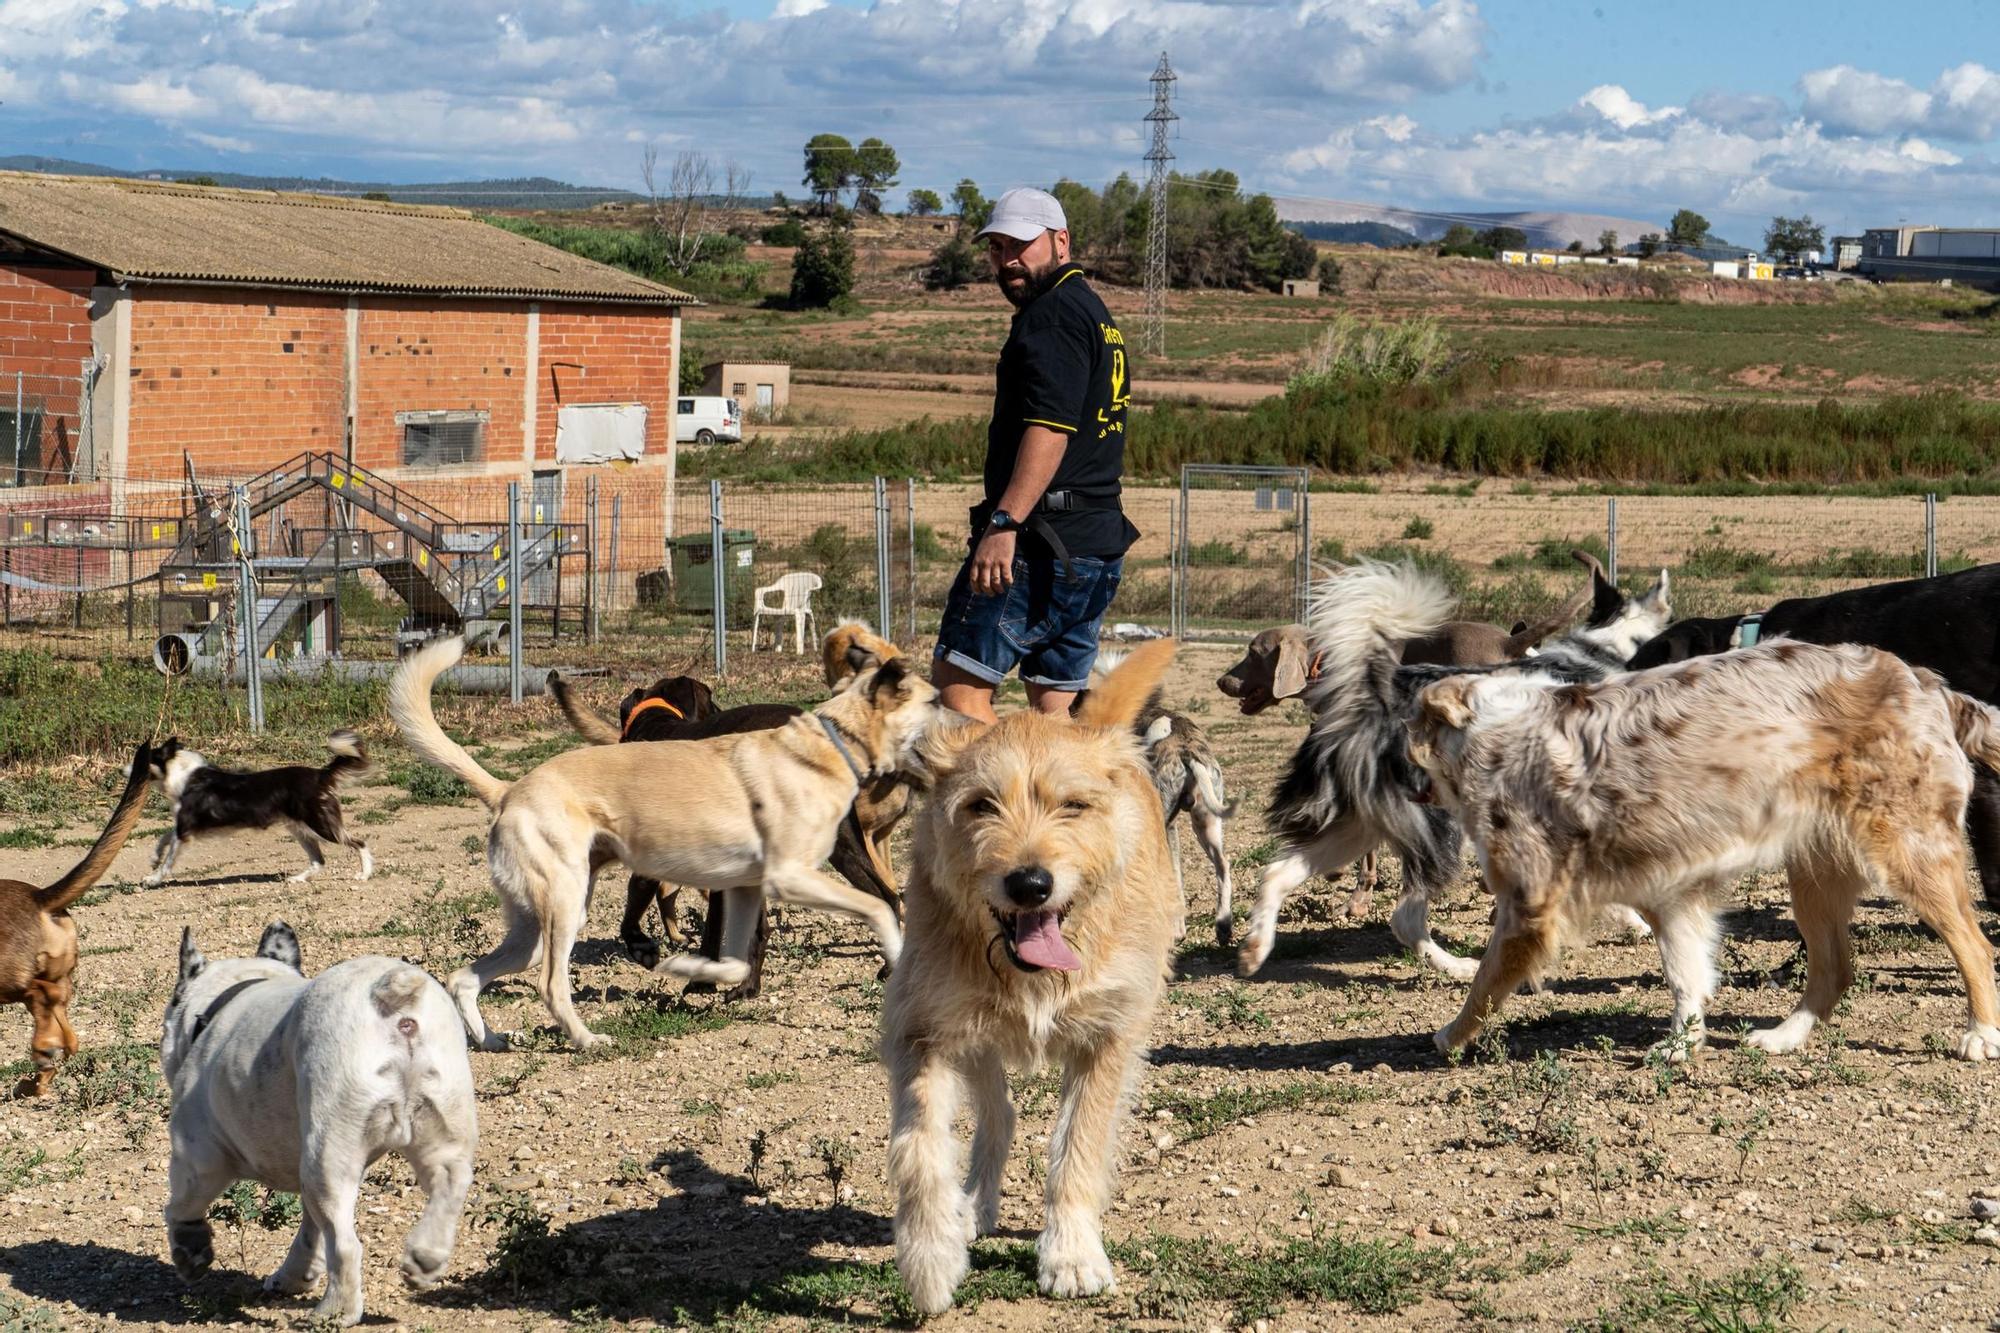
(410, 707)
(1117, 703)
(88, 871)
(588, 724)
(1977, 726)
(1208, 787)
(350, 758)
(1359, 619)
(397, 991)
(1528, 636)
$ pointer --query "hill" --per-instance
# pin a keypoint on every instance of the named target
(511, 192)
(1544, 228)
(1378, 234)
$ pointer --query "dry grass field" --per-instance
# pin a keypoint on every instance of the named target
(1299, 1155)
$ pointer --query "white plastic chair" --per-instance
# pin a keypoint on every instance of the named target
(795, 600)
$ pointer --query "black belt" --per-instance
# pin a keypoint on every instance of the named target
(1071, 501)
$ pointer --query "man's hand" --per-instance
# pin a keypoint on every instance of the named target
(993, 564)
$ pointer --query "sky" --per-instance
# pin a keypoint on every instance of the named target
(1738, 111)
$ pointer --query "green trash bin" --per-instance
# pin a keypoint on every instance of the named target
(694, 578)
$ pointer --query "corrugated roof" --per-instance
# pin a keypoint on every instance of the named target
(159, 231)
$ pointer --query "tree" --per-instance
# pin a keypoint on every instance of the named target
(1457, 237)
(830, 168)
(1575, 247)
(378, 197)
(1497, 239)
(1080, 205)
(925, 203)
(1607, 242)
(1328, 274)
(1792, 237)
(199, 180)
(1687, 228)
(1649, 244)
(875, 168)
(684, 216)
(823, 268)
(956, 263)
(973, 207)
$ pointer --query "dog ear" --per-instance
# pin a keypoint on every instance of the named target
(191, 960)
(859, 659)
(890, 676)
(1288, 671)
(704, 701)
(1446, 703)
(1605, 599)
(1163, 727)
(1658, 598)
(280, 945)
(945, 741)
(630, 702)
(1116, 703)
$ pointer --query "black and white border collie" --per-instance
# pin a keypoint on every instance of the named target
(208, 799)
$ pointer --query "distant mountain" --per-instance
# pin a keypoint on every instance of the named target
(515, 192)
(1378, 234)
(1549, 230)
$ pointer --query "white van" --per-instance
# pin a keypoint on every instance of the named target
(706, 420)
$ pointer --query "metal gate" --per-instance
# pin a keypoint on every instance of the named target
(1242, 549)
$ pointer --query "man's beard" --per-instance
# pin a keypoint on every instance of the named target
(1037, 282)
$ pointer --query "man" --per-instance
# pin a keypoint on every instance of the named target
(1049, 539)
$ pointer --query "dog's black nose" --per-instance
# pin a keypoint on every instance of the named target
(1030, 886)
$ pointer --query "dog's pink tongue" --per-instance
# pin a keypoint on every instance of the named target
(1038, 939)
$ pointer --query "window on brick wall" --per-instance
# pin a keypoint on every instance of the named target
(20, 446)
(439, 439)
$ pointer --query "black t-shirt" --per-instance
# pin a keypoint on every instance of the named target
(1064, 367)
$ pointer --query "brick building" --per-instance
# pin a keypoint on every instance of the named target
(148, 319)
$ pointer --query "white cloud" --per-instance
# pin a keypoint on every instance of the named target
(1622, 109)
(1965, 101)
(1847, 100)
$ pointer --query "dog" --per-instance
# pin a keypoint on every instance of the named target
(1040, 927)
(301, 1085)
(1657, 788)
(695, 717)
(38, 935)
(208, 799)
(1347, 790)
(1949, 624)
(753, 814)
(849, 649)
(1280, 663)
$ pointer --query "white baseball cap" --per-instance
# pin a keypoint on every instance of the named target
(1026, 213)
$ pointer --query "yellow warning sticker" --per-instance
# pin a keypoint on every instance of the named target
(423, 558)
(538, 513)
(339, 480)
(208, 580)
(156, 532)
(502, 584)
(496, 550)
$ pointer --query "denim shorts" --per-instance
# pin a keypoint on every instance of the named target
(1043, 623)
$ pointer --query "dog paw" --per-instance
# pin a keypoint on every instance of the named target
(423, 1271)
(153, 881)
(1679, 1047)
(1078, 1269)
(193, 1250)
(283, 1283)
(590, 1041)
(1783, 1039)
(932, 1272)
(1360, 903)
(1225, 931)
(1979, 1043)
(1458, 969)
(336, 1309)
(1252, 955)
(1445, 1042)
(643, 950)
(495, 1041)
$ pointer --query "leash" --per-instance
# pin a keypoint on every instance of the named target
(159, 718)
(833, 734)
(208, 1014)
(642, 706)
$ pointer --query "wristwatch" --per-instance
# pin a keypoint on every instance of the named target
(1002, 521)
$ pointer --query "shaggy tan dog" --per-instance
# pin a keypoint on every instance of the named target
(1652, 790)
(1041, 916)
(753, 814)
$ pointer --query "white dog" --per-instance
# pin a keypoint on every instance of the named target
(301, 1085)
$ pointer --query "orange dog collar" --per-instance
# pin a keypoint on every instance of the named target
(642, 706)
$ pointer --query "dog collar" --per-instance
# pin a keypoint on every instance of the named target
(1748, 630)
(840, 744)
(644, 705)
(208, 1014)
(1312, 669)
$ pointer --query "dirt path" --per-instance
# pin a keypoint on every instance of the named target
(725, 1165)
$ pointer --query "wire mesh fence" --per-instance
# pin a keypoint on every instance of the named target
(1225, 553)
(45, 429)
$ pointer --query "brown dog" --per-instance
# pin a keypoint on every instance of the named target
(38, 936)
(1041, 926)
(1280, 663)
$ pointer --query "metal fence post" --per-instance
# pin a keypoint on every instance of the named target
(246, 607)
(20, 405)
(1305, 545)
(718, 579)
(1930, 536)
(514, 590)
(1611, 537)
(611, 573)
(883, 578)
(591, 569)
(1180, 563)
(910, 507)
